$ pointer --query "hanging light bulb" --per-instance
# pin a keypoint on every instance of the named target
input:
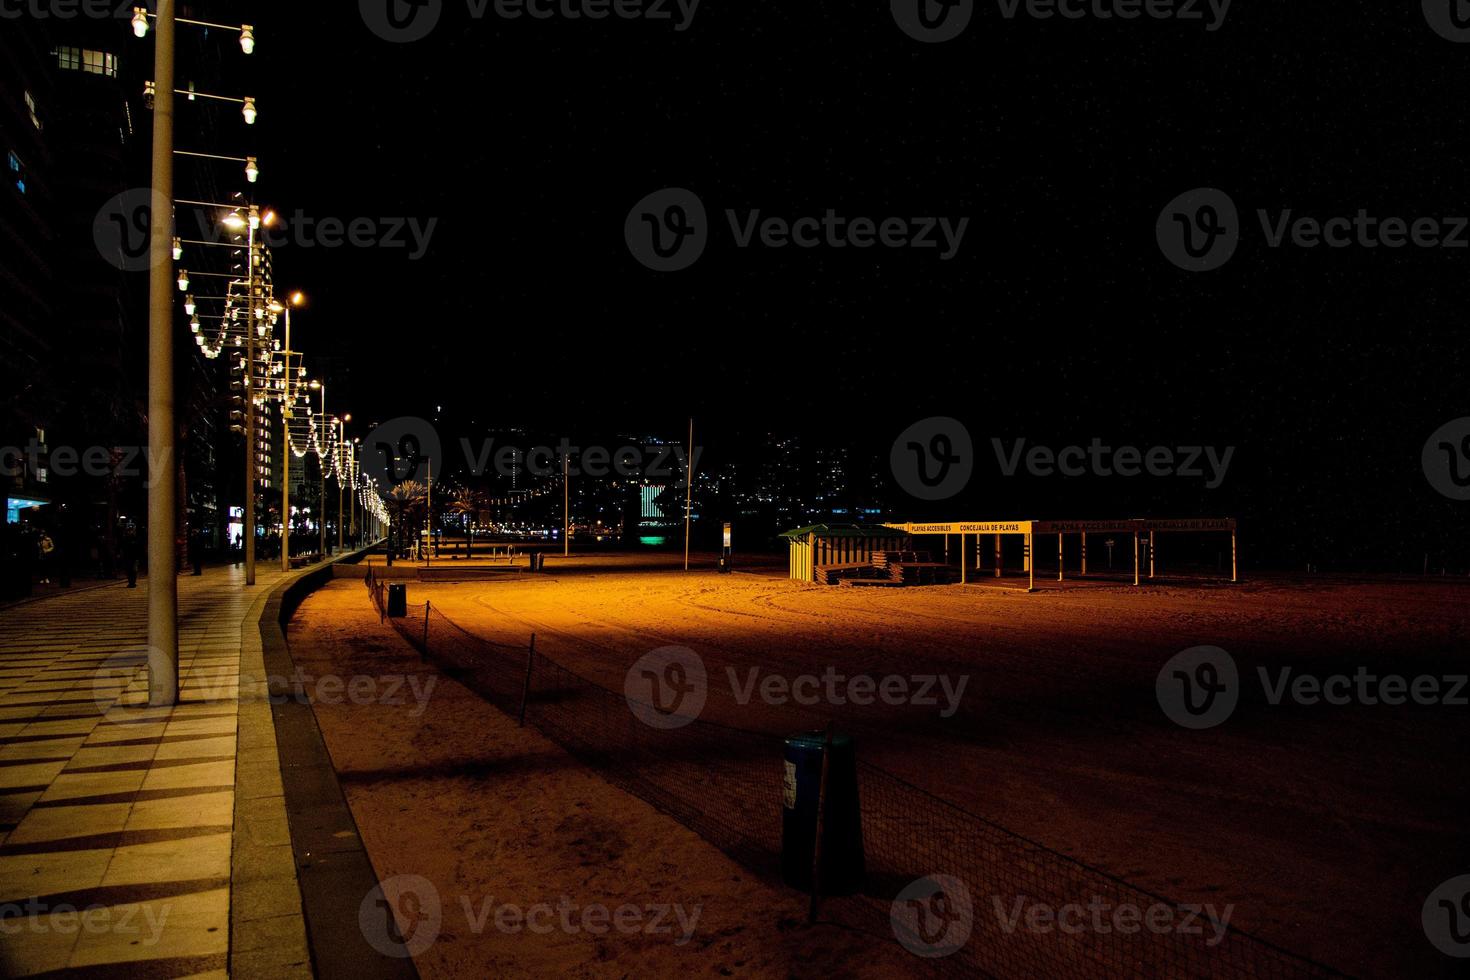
(194, 324)
(254, 221)
(252, 169)
(183, 280)
(150, 91)
(178, 248)
(249, 111)
(140, 22)
(189, 306)
(247, 39)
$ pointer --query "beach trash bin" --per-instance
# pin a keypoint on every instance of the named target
(843, 865)
(397, 599)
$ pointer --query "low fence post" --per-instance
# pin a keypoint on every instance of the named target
(426, 627)
(526, 688)
(821, 822)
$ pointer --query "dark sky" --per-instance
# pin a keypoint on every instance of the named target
(1059, 320)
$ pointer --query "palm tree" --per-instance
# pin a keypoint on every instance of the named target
(467, 503)
(404, 502)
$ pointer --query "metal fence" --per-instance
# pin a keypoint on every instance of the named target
(995, 903)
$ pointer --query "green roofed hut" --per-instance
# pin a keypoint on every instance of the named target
(824, 546)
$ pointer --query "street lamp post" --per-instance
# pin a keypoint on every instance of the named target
(163, 588)
(288, 402)
(340, 464)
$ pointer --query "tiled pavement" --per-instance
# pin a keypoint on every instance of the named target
(122, 826)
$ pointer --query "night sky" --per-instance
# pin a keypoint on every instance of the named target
(1059, 320)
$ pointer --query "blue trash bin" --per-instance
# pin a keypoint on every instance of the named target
(843, 865)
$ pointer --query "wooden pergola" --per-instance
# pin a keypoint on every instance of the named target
(1030, 530)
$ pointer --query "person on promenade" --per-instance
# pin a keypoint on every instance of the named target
(130, 556)
(45, 552)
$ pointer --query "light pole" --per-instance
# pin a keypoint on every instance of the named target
(288, 402)
(163, 586)
(339, 465)
(323, 427)
(163, 595)
(254, 320)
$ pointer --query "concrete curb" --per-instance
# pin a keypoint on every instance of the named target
(298, 861)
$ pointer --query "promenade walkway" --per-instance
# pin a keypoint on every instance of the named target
(138, 841)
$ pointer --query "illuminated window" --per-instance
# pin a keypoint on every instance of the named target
(17, 171)
(31, 108)
(91, 62)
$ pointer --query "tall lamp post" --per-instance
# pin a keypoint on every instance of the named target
(163, 586)
(254, 323)
(339, 465)
(289, 391)
(163, 595)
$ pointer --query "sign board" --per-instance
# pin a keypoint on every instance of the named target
(727, 535)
